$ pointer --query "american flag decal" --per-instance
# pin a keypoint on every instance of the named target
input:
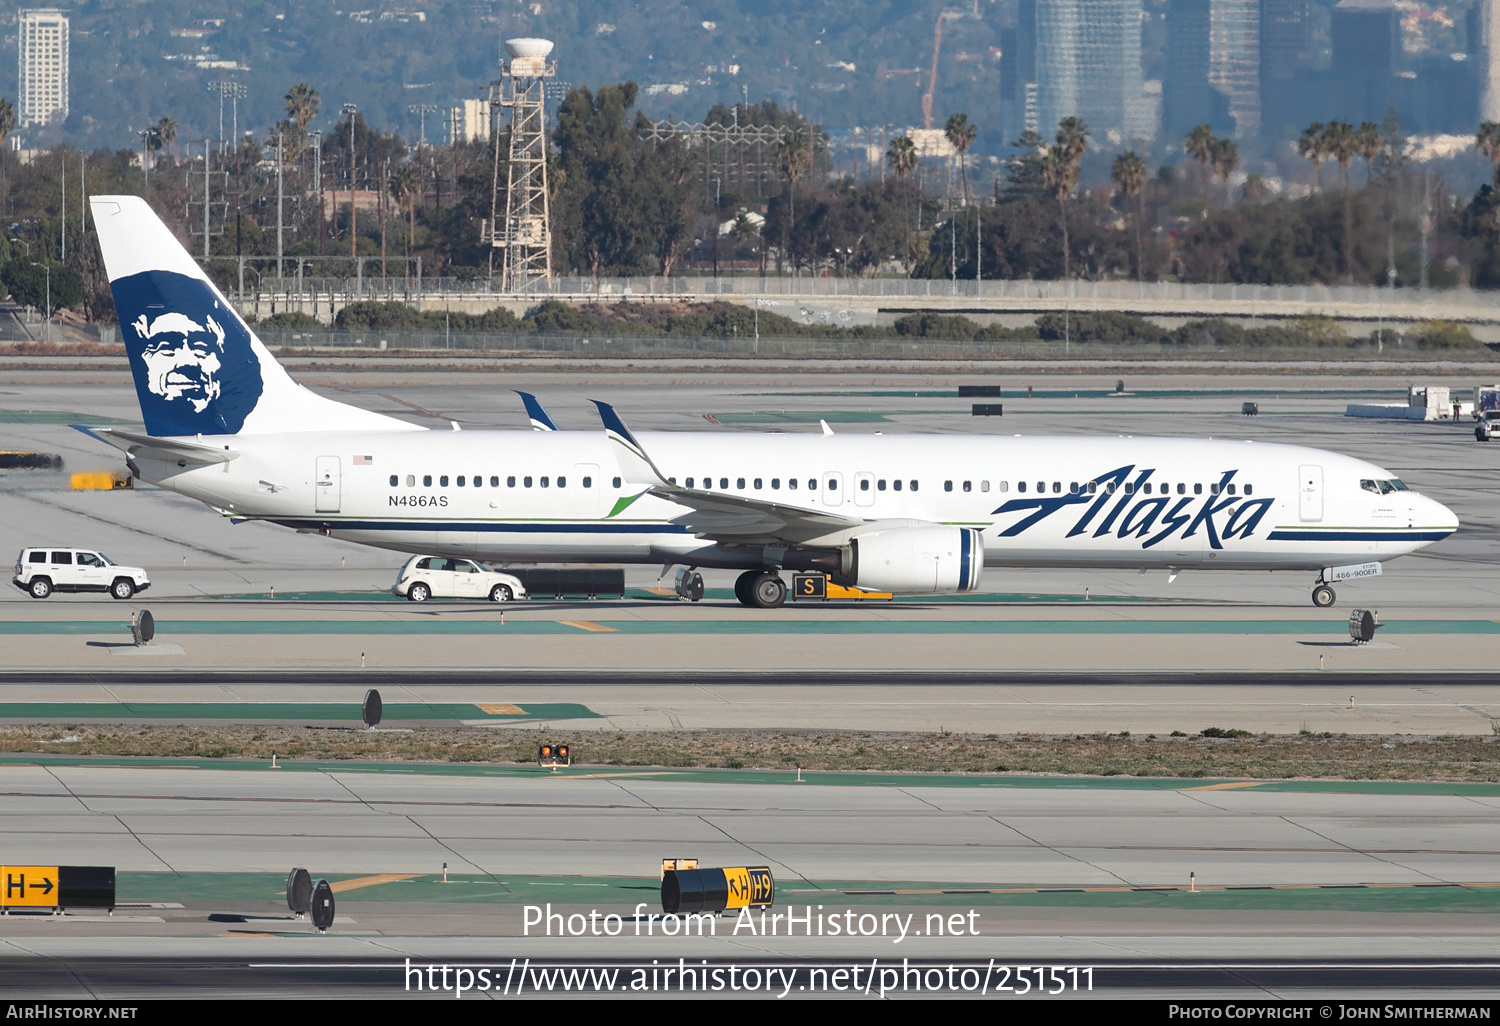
(364, 461)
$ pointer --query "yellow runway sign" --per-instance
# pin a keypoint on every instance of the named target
(29, 886)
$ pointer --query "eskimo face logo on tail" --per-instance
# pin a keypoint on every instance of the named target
(195, 371)
(182, 358)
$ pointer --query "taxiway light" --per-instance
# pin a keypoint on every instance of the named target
(553, 755)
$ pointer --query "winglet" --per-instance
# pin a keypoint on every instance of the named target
(826, 429)
(539, 419)
(634, 463)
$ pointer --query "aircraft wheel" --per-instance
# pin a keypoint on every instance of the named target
(768, 591)
(1323, 596)
(744, 586)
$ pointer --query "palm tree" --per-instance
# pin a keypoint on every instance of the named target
(1060, 165)
(1225, 160)
(1199, 144)
(1129, 174)
(1368, 143)
(406, 186)
(1339, 142)
(901, 154)
(7, 119)
(962, 135)
(794, 159)
(1313, 148)
(166, 133)
(302, 105)
(1486, 141)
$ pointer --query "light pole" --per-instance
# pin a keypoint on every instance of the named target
(349, 111)
(421, 110)
(48, 310)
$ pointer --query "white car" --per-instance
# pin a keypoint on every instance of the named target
(39, 572)
(1488, 426)
(425, 577)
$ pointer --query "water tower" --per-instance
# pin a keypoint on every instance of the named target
(524, 231)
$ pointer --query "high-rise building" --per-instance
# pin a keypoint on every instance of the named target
(1018, 72)
(1186, 99)
(1484, 50)
(1285, 38)
(1234, 61)
(42, 35)
(1088, 64)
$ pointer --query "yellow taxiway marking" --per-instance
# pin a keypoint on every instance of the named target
(1226, 787)
(501, 708)
(371, 881)
(586, 625)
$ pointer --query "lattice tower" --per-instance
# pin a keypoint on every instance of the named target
(524, 230)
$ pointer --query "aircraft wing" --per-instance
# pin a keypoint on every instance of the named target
(169, 449)
(718, 516)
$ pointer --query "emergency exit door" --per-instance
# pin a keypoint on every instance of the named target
(1310, 493)
(328, 484)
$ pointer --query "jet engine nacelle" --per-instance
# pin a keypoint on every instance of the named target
(918, 560)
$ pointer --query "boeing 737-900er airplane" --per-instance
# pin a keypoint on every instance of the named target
(911, 514)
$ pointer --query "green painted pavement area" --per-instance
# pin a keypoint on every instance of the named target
(622, 894)
(1019, 392)
(642, 595)
(435, 625)
(52, 417)
(764, 778)
(348, 711)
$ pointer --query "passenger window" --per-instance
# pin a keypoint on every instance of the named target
(443, 481)
(510, 482)
(1056, 486)
(1041, 486)
(724, 484)
(544, 482)
(812, 484)
(1002, 486)
(1213, 489)
(775, 484)
(880, 485)
(62, 559)
(1249, 489)
(411, 480)
(739, 482)
(791, 483)
(689, 482)
(1130, 488)
(617, 482)
(394, 480)
(1092, 487)
(670, 480)
(896, 484)
(562, 482)
(864, 484)
(37, 557)
(968, 486)
(1020, 486)
(1231, 489)
(588, 482)
(1198, 489)
(526, 482)
(947, 486)
(757, 484)
(984, 486)
(426, 480)
(1181, 488)
(425, 564)
(88, 559)
(830, 484)
(914, 486)
(460, 481)
(1072, 488)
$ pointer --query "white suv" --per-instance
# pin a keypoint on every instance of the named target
(425, 577)
(40, 572)
(1488, 426)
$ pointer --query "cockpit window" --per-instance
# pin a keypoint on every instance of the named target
(1384, 487)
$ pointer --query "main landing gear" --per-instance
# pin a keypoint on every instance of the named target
(760, 589)
(1323, 596)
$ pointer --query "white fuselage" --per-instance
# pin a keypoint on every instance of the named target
(1039, 501)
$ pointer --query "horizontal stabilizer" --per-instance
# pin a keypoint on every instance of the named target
(169, 449)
